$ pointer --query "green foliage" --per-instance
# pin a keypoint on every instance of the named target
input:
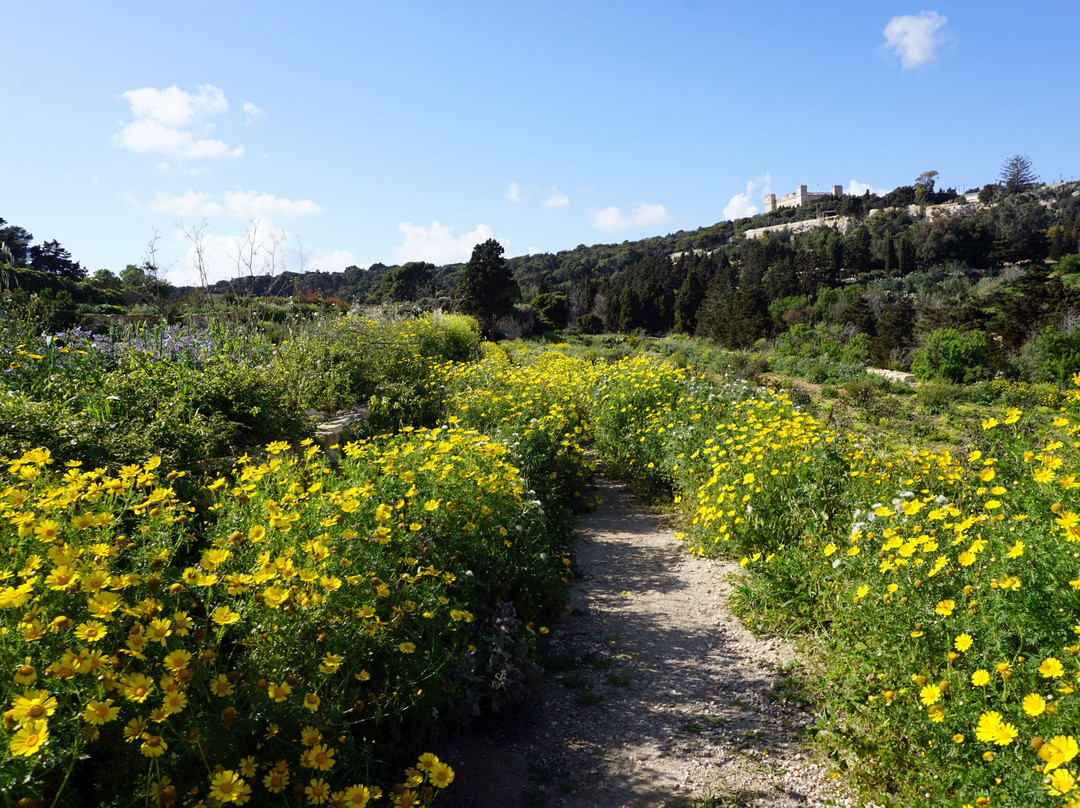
(862, 392)
(47, 310)
(411, 281)
(1051, 356)
(487, 288)
(589, 324)
(1068, 264)
(1017, 174)
(938, 397)
(823, 341)
(740, 364)
(817, 370)
(950, 355)
(190, 394)
(552, 309)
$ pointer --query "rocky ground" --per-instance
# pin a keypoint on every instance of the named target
(655, 694)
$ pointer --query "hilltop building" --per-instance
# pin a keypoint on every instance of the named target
(800, 197)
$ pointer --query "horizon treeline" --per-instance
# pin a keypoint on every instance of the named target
(872, 284)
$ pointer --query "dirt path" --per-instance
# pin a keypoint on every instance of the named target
(657, 693)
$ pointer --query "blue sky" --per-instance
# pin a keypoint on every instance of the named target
(320, 135)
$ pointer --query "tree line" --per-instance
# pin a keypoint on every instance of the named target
(889, 271)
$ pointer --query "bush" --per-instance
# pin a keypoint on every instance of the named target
(861, 393)
(817, 370)
(740, 364)
(949, 355)
(589, 324)
(937, 398)
(1051, 356)
(352, 609)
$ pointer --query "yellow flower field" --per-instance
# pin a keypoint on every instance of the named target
(272, 631)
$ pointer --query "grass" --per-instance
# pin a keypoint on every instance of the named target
(574, 681)
(598, 662)
(715, 799)
(790, 690)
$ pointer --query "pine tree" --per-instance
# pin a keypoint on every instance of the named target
(1017, 174)
(487, 288)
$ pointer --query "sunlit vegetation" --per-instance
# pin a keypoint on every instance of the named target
(204, 602)
(941, 585)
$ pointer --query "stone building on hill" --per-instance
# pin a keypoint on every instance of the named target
(800, 197)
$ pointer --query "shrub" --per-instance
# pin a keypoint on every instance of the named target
(861, 392)
(1051, 356)
(350, 609)
(740, 364)
(950, 355)
(589, 324)
(936, 398)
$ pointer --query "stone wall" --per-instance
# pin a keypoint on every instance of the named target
(893, 375)
(841, 223)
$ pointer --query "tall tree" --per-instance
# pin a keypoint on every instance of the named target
(409, 282)
(18, 241)
(146, 283)
(857, 258)
(924, 187)
(52, 259)
(1017, 174)
(891, 260)
(905, 255)
(689, 300)
(895, 334)
(631, 313)
(487, 288)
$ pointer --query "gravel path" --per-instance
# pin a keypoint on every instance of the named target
(656, 693)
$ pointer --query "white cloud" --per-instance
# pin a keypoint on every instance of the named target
(856, 188)
(915, 38)
(170, 122)
(175, 108)
(556, 199)
(612, 220)
(333, 262)
(513, 193)
(438, 244)
(248, 204)
(185, 204)
(241, 204)
(742, 205)
(252, 113)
